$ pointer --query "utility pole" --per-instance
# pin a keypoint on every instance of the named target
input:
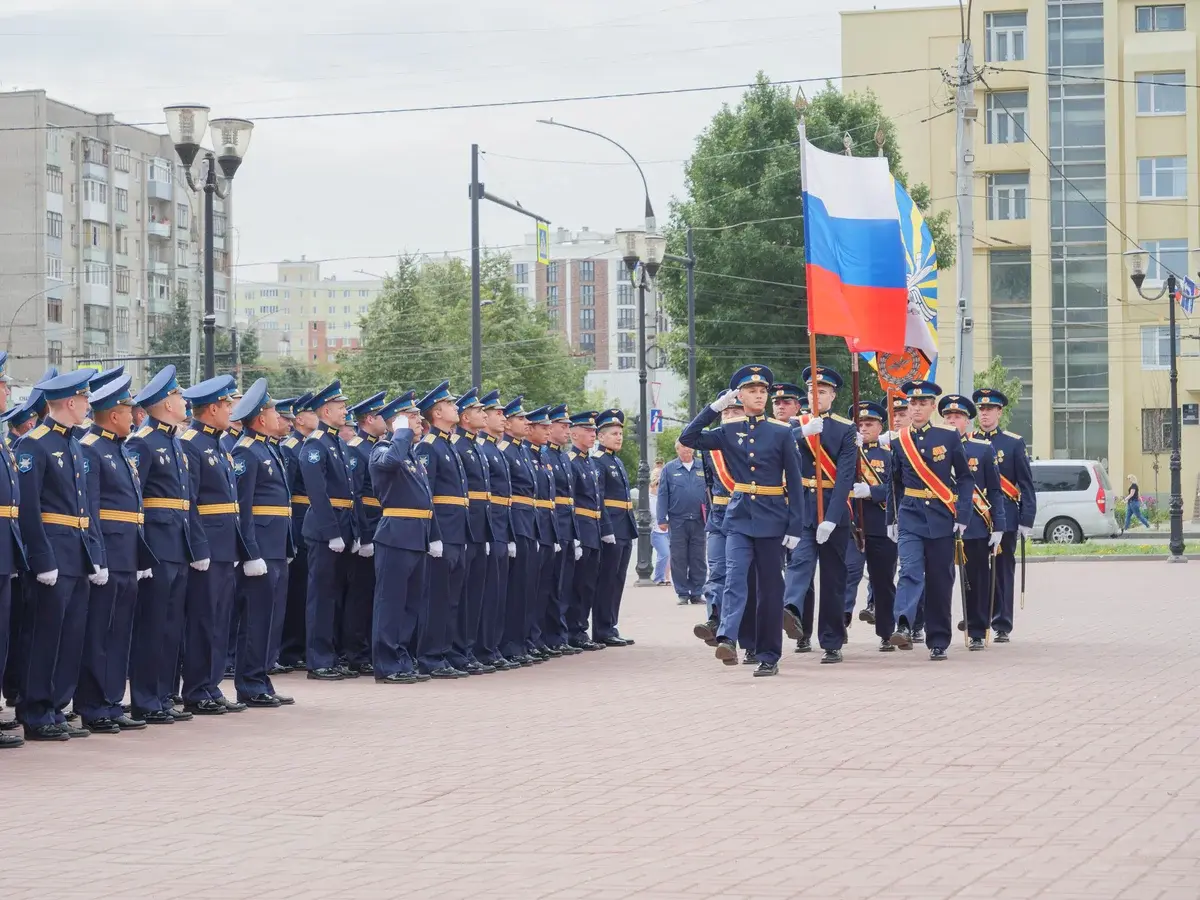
(966, 113)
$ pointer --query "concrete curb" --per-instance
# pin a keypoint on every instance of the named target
(1112, 557)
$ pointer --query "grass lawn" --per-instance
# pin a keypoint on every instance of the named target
(1089, 549)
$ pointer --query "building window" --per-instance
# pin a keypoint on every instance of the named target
(121, 159)
(552, 271)
(181, 253)
(219, 225)
(220, 301)
(346, 294)
(1156, 347)
(521, 273)
(182, 212)
(51, 139)
(1157, 428)
(625, 362)
(587, 320)
(95, 191)
(552, 315)
(625, 318)
(220, 260)
(1008, 196)
(625, 343)
(1161, 18)
(54, 222)
(1081, 434)
(587, 270)
(54, 350)
(122, 320)
(121, 198)
(54, 268)
(123, 280)
(53, 309)
(1166, 257)
(587, 295)
(1161, 94)
(54, 180)
(1007, 116)
(97, 273)
(1005, 37)
(1162, 178)
(362, 293)
(625, 293)
(552, 295)
(1010, 292)
(346, 310)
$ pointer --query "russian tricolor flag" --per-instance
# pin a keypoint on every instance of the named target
(856, 274)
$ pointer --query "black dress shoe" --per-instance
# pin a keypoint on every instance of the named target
(501, 664)
(11, 740)
(803, 645)
(1002, 637)
(592, 645)
(962, 626)
(885, 646)
(460, 673)
(707, 632)
(831, 656)
(937, 654)
(262, 701)
(615, 642)
(284, 699)
(748, 658)
(471, 668)
(279, 670)
(180, 715)
(347, 672)
(232, 705)
(230, 672)
(551, 652)
(365, 668)
(128, 723)
(726, 652)
(567, 650)
(156, 717)
(103, 725)
(46, 733)
(918, 636)
(848, 620)
(683, 601)
(444, 673)
(397, 678)
(867, 615)
(792, 626)
(976, 644)
(9, 725)
(72, 716)
(207, 707)
(326, 674)
(629, 642)
(901, 638)
(488, 670)
(765, 670)
(423, 676)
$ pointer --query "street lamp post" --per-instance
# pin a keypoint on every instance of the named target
(1136, 261)
(230, 138)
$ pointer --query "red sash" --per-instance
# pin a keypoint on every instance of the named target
(935, 485)
(869, 474)
(1011, 491)
(721, 470)
(982, 507)
(824, 463)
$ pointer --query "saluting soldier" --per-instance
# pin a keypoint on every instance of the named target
(503, 546)
(763, 517)
(1020, 501)
(162, 466)
(986, 527)
(932, 486)
(547, 537)
(464, 442)
(12, 551)
(292, 644)
(115, 502)
(330, 529)
(827, 453)
(448, 565)
(618, 530)
(53, 516)
(557, 456)
(587, 487)
(523, 557)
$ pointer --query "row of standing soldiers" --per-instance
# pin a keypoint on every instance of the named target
(804, 488)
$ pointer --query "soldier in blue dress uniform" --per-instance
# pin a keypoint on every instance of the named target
(719, 484)
(216, 537)
(166, 498)
(12, 551)
(587, 487)
(986, 527)
(265, 515)
(448, 564)
(763, 517)
(503, 545)
(356, 613)
(402, 540)
(932, 487)
(115, 502)
(1020, 501)
(464, 442)
(523, 554)
(292, 646)
(53, 516)
(557, 457)
(547, 536)
(618, 530)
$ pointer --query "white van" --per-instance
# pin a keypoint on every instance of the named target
(1075, 501)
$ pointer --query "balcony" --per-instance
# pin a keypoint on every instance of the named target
(94, 254)
(159, 229)
(95, 294)
(95, 170)
(158, 267)
(95, 336)
(159, 189)
(94, 211)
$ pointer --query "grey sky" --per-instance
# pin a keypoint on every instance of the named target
(370, 186)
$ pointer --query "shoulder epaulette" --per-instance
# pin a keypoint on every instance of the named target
(188, 435)
(979, 441)
(141, 432)
(454, 437)
(778, 421)
(946, 428)
(354, 441)
(289, 442)
(734, 419)
(88, 439)
(503, 445)
(245, 442)
(39, 432)
(838, 418)
(1013, 434)
(429, 438)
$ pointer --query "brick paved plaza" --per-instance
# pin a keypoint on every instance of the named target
(1063, 765)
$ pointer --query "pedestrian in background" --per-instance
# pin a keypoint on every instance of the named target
(1133, 505)
(681, 499)
(660, 538)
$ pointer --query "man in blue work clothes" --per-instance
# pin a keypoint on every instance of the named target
(330, 530)
(618, 530)
(471, 418)
(588, 490)
(265, 514)
(557, 456)
(1020, 501)
(115, 495)
(292, 644)
(356, 612)
(681, 500)
(162, 467)
(54, 522)
(522, 552)
(763, 516)
(827, 453)
(933, 487)
(503, 547)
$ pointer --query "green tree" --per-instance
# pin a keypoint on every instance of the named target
(996, 376)
(750, 303)
(174, 342)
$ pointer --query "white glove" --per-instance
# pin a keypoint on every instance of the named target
(337, 545)
(815, 425)
(608, 539)
(861, 490)
(1025, 530)
(894, 533)
(885, 440)
(994, 540)
(48, 578)
(435, 549)
(723, 402)
(858, 438)
(487, 549)
(558, 548)
(355, 547)
(824, 530)
(366, 551)
(790, 542)
(400, 422)
(578, 551)
(255, 567)
(291, 559)
(512, 550)
(200, 565)
(960, 529)
(145, 573)
(99, 578)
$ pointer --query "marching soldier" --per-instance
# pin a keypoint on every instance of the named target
(162, 467)
(330, 529)
(932, 488)
(503, 546)
(265, 514)
(720, 486)
(788, 402)
(588, 490)
(522, 552)
(547, 537)
(761, 519)
(292, 644)
(827, 452)
(471, 419)
(402, 539)
(1020, 501)
(558, 458)
(986, 527)
(216, 537)
(115, 495)
(12, 551)
(618, 530)
(448, 565)
(53, 515)
(879, 553)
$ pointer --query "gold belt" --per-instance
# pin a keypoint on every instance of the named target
(524, 501)
(300, 498)
(8, 512)
(271, 511)
(588, 513)
(478, 495)
(217, 509)
(166, 503)
(720, 501)
(769, 490)
(371, 501)
(544, 504)
(121, 515)
(812, 483)
(341, 503)
(401, 512)
(450, 500)
(924, 494)
(501, 501)
(619, 504)
(564, 501)
(80, 522)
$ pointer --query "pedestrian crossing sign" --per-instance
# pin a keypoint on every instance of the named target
(656, 421)
(543, 242)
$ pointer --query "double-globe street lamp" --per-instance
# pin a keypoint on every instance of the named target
(1136, 261)
(186, 124)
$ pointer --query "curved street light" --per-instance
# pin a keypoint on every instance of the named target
(16, 312)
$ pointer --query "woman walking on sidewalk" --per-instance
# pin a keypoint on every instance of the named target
(1133, 505)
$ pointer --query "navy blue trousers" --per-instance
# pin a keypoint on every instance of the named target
(109, 631)
(328, 573)
(763, 556)
(979, 582)
(57, 623)
(880, 560)
(522, 575)
(491, 615)
(157, 637)
(1006, 571)
(470, 610)
(714, 587)
(292, 643)
(688, 569)
(554, 631)
(208, 612)
(446, 576)
(547, 587)
(12, 625)
(356, 611)
(262, 600)
(831, 612)
(606, 608)
(584, 575)
(399, 608)
(927, 565)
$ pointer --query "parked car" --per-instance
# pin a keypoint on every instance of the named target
(1075, 501)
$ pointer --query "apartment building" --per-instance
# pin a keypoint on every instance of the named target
(302, 316)
(590, 300)
(1087, 141)
(98, 233)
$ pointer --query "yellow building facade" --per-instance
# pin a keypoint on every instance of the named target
(1086, 112)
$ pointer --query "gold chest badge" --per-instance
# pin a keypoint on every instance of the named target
(973, 463)
(939, 454)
